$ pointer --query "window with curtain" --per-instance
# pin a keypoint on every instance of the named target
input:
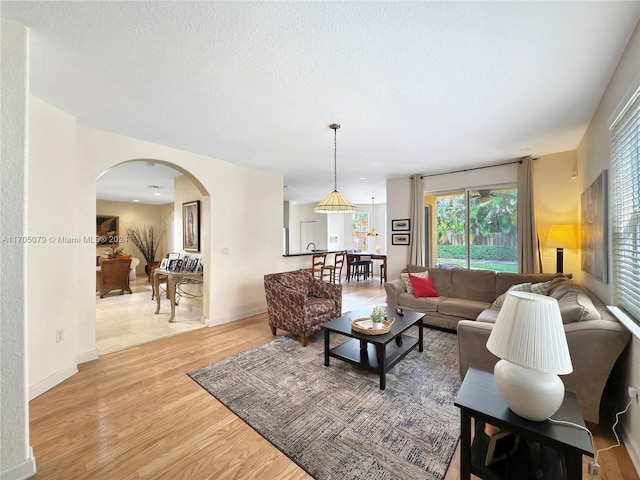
(625, 195)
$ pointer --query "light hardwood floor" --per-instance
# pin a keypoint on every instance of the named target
(135, 414)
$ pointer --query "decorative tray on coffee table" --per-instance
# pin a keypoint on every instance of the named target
(367, 327)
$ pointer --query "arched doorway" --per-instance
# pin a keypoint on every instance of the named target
(146, 196)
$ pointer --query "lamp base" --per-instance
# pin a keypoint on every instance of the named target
(531, 394)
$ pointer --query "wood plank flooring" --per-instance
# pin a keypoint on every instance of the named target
(135, 414)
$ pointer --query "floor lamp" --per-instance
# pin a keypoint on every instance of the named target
(561, 237)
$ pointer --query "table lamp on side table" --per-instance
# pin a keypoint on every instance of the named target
(529, 338)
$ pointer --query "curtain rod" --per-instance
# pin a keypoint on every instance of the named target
(475, 168)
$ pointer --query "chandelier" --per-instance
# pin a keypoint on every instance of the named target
(335, 202)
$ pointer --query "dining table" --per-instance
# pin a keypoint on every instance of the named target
(355, 256)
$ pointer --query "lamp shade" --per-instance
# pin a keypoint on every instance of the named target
(529, 332)
(335, 203)
(561, 236)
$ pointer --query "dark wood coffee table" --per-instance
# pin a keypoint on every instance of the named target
(378, 353)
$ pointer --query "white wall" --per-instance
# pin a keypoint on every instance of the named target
(246, 217)
(398, 207)
(593, 157)
(52, 280)
(16, 457)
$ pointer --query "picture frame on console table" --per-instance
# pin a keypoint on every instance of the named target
(401, 239)
(594, 229)
(191, 226)
(402, 225)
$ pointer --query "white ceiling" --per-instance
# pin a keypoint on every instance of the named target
(418, 87)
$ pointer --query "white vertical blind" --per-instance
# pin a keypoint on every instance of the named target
(625, 189)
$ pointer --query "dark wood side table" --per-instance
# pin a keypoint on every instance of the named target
(558, 448)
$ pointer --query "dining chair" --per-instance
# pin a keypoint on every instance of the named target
(333, 272)
(318, 261)
(363, 267)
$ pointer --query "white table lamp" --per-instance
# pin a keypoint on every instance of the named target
(529, 338)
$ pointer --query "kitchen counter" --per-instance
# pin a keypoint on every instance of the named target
(310, 253)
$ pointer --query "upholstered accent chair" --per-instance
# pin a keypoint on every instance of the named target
(298, 303)
(115, 275)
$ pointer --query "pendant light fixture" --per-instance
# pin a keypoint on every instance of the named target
(373, 232)
(335, 202)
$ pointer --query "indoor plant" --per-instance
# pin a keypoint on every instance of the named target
(378, 315)
(113, 252)
(147, 240)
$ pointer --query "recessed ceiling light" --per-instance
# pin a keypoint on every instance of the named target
(136, 201)
(157, 194)
(363, 178)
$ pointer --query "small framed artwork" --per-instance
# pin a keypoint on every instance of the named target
(164, 263)
(191, 226)
(106, 229)
(400, 239)
(402, 225)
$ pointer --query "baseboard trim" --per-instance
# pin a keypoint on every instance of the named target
(87, 356)
(52, 381)
(633, 447)
(233, 318)
(25, 469)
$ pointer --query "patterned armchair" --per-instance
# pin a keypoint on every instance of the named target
(299, 303)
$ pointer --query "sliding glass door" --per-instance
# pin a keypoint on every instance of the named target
(474, 228)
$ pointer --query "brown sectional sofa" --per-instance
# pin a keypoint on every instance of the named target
(595, 337)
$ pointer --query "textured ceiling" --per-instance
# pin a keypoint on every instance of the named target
(420, 87)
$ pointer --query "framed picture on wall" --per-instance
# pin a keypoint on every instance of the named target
(106, 229)
(403, 225)
(191, 226)
(401, 239)
(594, 229)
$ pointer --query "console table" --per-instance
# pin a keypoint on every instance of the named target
(558, 448)
(173, 279)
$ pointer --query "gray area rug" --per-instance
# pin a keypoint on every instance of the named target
(335, 422)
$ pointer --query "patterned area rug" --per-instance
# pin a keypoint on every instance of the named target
(334, 421)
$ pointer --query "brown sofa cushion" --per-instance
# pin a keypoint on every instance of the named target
(426, 304)
(478, 285)
(462, 308)
(441, 277)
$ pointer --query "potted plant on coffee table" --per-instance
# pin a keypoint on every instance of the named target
(147, 240)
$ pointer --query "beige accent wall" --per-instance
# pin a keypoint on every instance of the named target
(134, 215)
(557, 202)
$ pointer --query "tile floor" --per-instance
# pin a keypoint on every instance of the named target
(123, 321)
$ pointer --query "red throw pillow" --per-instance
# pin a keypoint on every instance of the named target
(423, 286)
